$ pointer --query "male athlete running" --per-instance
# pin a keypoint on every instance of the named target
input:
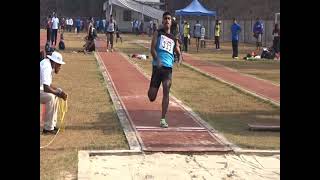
(162, 46)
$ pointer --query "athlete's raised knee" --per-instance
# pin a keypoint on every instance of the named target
(152, 98)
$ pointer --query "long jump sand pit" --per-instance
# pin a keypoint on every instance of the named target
(182, 167)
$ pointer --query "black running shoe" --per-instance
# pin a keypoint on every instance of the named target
(54, 131)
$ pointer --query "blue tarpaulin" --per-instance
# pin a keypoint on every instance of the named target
(195, 9)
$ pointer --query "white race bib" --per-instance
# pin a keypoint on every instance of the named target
(111, 27)
(166, 44)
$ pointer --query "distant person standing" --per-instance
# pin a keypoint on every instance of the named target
(141, 27)
(89, 28)
(71, 24)
(81, 25)
(118, 34)
(78, 24)
(276, 38)
(132, 25)
(101, 25)
(186, 35)
(197, 33)
(150, 28)
(136, 27)
(62, 25)
(111, 26)
(257, 32)
(154, 26)
(175, 30)
(55, 26)
(67, 24)
(217, 32)
(97, 25)
(235, 31)
(49, 29)
(202, 39)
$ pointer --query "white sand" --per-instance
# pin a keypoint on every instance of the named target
(183, 167)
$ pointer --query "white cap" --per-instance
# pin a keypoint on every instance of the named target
(56, 57)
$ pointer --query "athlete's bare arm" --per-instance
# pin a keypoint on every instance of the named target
(178, 52)
(153, 48)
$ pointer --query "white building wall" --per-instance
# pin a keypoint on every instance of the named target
(125, 26)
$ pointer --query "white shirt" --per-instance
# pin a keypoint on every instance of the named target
(70, 22)
(67, 21)
(55, 22)
(111, 26)
(203, 32)
(136, 24)
(197, 31)
(46, 73)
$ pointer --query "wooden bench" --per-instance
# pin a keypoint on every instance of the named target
(263, 127)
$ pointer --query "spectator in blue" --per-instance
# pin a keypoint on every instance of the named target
(97, 25)
(104, 22)
(78, 25)
(235, 31)
(136, 27)
(257, 32)
(132, 25)
(81, 25)
(101, 25)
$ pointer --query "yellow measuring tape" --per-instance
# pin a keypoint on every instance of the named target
(62, 109)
